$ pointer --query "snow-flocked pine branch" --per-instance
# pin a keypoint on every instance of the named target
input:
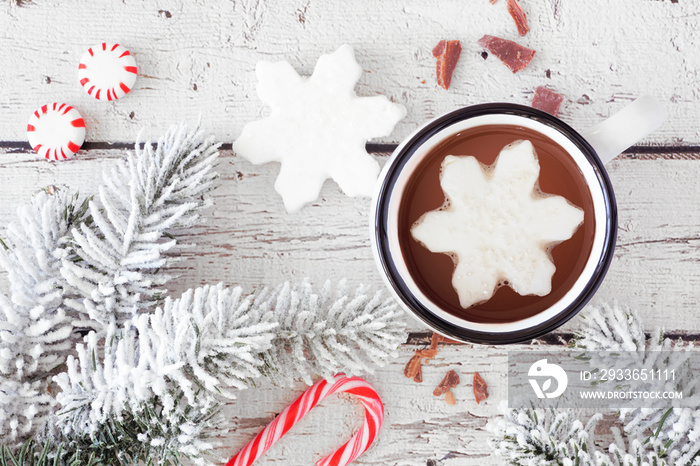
(122, 252)
(558, 437)
(614, 328)
(49, 271)
(192, 350)
(656, 435)
(147, 381)
(213, 340)
(336, 330)
(543, 437)
(673, 433)
(205, 345)
(35, 332)
(35, 247)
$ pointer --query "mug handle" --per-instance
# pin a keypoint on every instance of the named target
(634, 122)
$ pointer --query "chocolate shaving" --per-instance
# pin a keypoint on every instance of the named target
(412, 367)
(513, 55)
(418, 378)
(426, 353)
(447, 53)
(547, 100)
(450, 380)
(518, 15)
(480, 388)
(434, 340)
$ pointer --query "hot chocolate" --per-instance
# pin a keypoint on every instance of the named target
(433, 272)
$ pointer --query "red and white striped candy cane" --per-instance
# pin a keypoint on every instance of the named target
(358, 444)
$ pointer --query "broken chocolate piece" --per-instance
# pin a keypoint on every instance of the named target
(412, 367)
(518, 15)
(427, 353)
(450, 398)
(434, 340)
(419, 376)
(547, 101)
(450, 380)
(480, 388)
(447, 53)
(513, 55)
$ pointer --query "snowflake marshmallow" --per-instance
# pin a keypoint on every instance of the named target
(496, 225)
(317, 128)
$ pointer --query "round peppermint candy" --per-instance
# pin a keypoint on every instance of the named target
(56, 131)
(107, 71)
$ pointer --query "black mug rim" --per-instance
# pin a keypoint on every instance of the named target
(381, 214)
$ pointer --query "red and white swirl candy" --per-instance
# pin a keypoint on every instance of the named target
(56, 131)
(107, 71)
(358, 444)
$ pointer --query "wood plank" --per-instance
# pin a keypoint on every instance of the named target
(201, 55)
(198, 59)
(250, 240)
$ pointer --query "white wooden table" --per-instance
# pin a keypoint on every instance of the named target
(196, 58)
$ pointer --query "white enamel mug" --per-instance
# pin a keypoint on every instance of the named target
(590, 150)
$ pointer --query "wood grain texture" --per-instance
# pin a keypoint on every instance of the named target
(198, 58)
(248, 238)
(418, 427)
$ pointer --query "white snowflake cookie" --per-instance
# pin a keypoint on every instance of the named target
(317, 128)
(497, 225)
